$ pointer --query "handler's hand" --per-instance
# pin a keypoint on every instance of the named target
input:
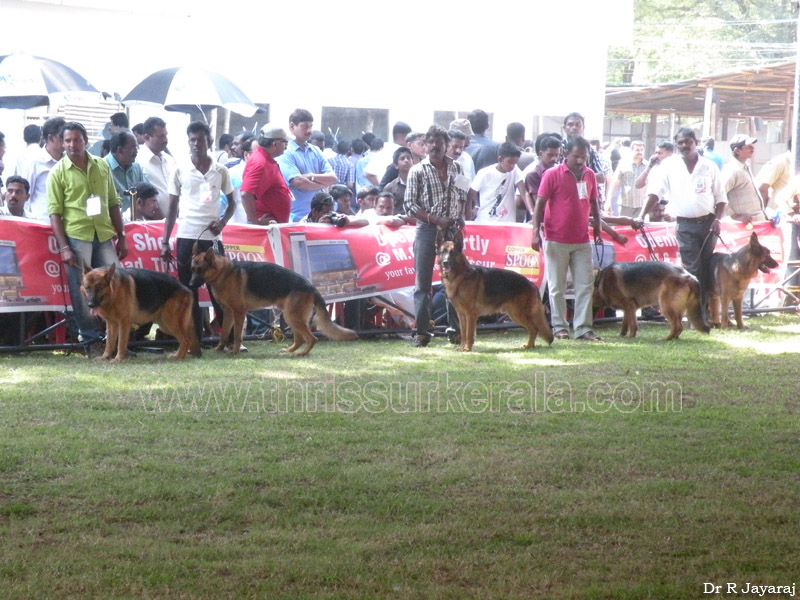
(215, 227)
(68, 258)
(122, 248)
(536, 242)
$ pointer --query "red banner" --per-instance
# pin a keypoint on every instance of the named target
(343, 263)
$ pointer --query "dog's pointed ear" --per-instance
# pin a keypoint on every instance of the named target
(110, 272)
(209, 256)
(458, 241)
(754, 240)
(86, 268)
(439, 238)
(194, 248)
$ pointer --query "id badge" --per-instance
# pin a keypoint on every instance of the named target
(462, 183)
(92, 206)
(583, 190)
(700, 186)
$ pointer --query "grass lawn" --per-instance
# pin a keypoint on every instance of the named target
(376, 470)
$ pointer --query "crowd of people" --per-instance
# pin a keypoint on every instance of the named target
(437, 179)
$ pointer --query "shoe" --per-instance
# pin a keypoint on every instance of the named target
(453, 336)
(561, 335)
(420, 341)
(242, 348)
(589, 336)
(651, 313)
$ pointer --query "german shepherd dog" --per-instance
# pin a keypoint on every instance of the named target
(730, 276)
(638, 284)
(126, 296)
(240, 286)
(476, 291)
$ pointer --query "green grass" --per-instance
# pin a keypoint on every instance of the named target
(236, 485)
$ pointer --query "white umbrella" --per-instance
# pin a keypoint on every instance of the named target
(27, 81)
(185, 89)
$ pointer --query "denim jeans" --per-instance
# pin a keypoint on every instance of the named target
(93, 254)
(424, 261)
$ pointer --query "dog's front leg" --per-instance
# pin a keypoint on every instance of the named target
(123, 336)
(737, 312)
(112, 332)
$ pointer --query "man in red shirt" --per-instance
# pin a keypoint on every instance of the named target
(566, 196)
(265, 196)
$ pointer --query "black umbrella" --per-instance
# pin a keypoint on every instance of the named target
(185, 89)
(27, 81)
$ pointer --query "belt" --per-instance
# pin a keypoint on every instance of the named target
(694, 219)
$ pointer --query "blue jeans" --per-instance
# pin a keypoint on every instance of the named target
(424, 259)
(93, 254)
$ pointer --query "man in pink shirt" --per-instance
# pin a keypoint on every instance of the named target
(567, 195)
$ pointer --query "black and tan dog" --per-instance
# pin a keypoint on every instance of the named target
(730, 276)
(240, 286)
(124, 297)
(475, 291)
(630, 286)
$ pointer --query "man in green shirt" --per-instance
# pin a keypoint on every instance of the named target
(85, 215)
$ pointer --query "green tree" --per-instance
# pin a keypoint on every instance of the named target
(680, 39)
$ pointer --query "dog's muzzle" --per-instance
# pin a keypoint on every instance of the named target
(196, 281)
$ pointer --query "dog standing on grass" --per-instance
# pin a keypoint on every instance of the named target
(730, 277)
(475, 291)
(124, 297)
(241, 286)
(630, 286)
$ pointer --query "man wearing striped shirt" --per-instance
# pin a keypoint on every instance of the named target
(436, 194)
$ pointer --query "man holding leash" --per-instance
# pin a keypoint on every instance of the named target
(85, 215)
(436, 195)
(194, 188)
(567, 196)
(697, 199)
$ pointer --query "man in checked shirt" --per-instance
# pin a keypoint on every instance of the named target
(436, 195)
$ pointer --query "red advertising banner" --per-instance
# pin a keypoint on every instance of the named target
(343, 263)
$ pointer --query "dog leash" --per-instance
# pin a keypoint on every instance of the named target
(599, 254)
(648, 241)
(174, 259)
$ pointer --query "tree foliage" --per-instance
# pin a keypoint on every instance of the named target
(680, 39)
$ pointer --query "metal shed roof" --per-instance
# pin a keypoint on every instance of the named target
(757, 92)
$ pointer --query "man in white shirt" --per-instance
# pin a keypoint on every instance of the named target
(32, 135)
(376, 167)
(157, 164)
(37, 171)
(493, 192)
(697, 200)
(194, 191)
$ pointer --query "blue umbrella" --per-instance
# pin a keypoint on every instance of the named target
(27, 81)
(185, 89)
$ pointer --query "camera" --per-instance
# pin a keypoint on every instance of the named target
(335, 218)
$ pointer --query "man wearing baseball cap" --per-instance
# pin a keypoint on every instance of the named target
(744, 200)
(265, 195)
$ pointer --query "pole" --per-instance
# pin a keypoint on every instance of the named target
(795, 122)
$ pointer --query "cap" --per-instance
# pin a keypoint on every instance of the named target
(463, 126)
(740, 140)
(273, 132)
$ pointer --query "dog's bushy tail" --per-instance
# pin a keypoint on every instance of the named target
(694, 310)
(322, 321)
